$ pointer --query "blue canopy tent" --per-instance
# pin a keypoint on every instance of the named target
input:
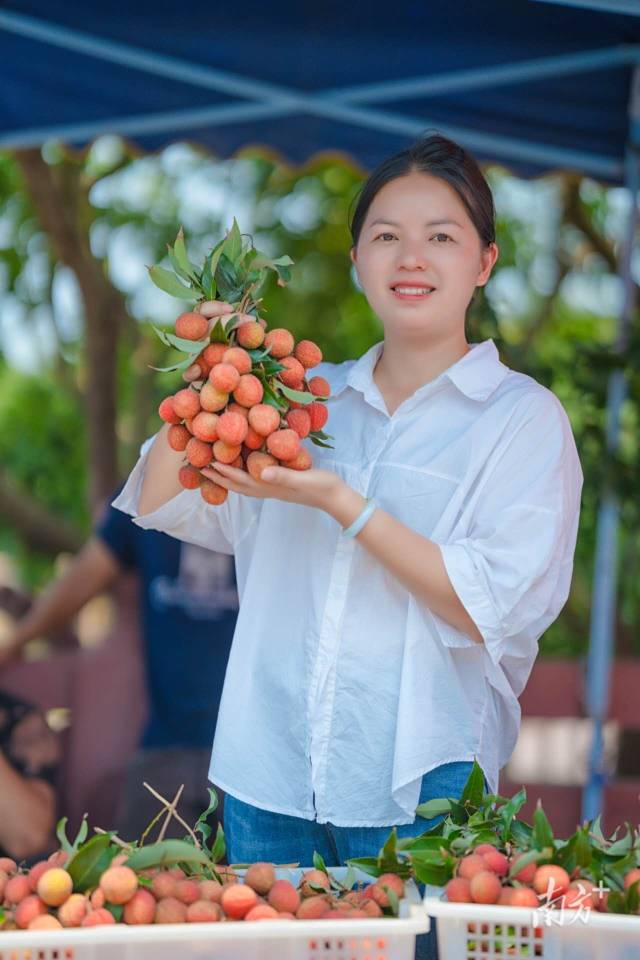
(534, 84)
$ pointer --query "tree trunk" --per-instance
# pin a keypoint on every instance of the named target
(62, 207)
(38, 528)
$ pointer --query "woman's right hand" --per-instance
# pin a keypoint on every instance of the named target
(212, 310)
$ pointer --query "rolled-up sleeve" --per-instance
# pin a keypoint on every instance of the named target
(187, 516)
(512, 567)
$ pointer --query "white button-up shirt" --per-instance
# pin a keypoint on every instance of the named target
(343, 689)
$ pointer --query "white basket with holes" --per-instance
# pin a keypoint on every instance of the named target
(473, 931)
(388, 938)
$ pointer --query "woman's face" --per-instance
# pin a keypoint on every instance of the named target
(419, 257)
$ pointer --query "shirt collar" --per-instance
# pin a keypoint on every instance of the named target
(477, 374)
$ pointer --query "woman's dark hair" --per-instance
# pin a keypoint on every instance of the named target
(442, 158)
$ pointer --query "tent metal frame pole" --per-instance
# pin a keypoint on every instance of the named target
(605, 576)
(273, 100)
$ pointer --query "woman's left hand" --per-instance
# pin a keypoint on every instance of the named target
(313, 488)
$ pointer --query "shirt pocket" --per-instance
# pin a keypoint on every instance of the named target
(418, 498)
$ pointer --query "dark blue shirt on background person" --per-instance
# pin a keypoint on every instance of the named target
(188, 612)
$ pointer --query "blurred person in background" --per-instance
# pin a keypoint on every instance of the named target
(189, 607)
(29, 758)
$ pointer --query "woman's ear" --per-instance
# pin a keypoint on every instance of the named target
(488, 256)
(353, 253)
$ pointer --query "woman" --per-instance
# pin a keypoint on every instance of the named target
(392, 597)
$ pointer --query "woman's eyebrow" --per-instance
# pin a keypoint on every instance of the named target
(430, 223)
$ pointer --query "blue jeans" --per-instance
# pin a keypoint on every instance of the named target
(253, 834)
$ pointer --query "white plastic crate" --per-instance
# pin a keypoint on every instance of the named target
(473, 931)
(388, 938)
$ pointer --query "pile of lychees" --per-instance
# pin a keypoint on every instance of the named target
(250, 401)
(45, 897)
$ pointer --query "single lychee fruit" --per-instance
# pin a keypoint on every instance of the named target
(163, 885)
(371, 908)
(260, 876)
(253, 440)
(524, 897)
(178, 437)
(214, 353)
(192, 326)
(167, 412)
(485, 887)
(225, 452)
(239, 359)
(28, 909)
(189, 477)
(203, 911)
(45, 922)
(186, 403)
(210, 890)
(36, 872)
(17, 888)
(213, 400)
(9, 865)
(236, 408)
(188, 891)
(284, 897)
(527, 873)
(283, 444)
(394, 883)
(250, 334)
(256, 463)
(293, 373)
(74, 910)
(496, 862)
(300, 421)
(471, 865)
(280, 342)
(224, 377)
(308, 353)
(312, 908)
(249, 391)
(119, 884)
(458, 890)
(319, 387)
(232, 428)
(313, 879)
(98, 918)
(213, 493)
(54, 886)
(264, 419)
(551, 881)
(319, 415)
(199, 453)
(237, 900)
(301, 461)
(262, 911)
(205, 426)
(171, 910)
(140, 909)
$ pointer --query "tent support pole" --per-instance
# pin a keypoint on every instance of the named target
(605, 575)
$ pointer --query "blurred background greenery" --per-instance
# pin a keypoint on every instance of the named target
(77, 392)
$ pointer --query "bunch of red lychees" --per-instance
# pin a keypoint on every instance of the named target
(250, 402)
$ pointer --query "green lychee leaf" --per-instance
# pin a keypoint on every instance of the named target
(368, 865)
(542, 833)
(169, 283)
(283, 261)
(166, 852)
(218, 334)
(531, 856)
(437, 807)
(318, 863)
(88, 864)
(179, 343)
(320, 443)
(258, 354)
(177, 366)
(61, 834)
(180, 254)
(219, 848)
(272, 367)
(207, 282)
(474, 787)
(233, 243)
(215, 255)
(297, 395)
(394, 903)
(321, 435)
